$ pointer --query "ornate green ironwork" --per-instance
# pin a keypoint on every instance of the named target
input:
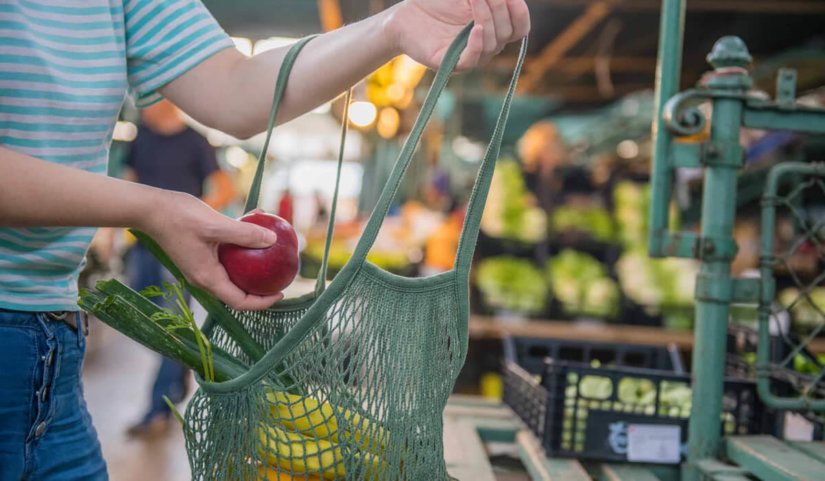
(727, 89)
(808, 233)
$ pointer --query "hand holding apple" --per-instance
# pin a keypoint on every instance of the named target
(266, 271)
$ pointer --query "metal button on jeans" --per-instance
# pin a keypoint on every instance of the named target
(40, 428)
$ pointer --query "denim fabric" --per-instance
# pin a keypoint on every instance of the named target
(46, 433)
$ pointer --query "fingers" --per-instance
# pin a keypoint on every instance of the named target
(217, 282)
(483, 16)
(502, 23)
(497, 22)
(243, 234)
(471, 55)
(258, 303)
(519, 18)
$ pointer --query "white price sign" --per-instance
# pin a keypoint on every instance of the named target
(653, 443)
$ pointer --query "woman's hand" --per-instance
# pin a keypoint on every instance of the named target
(190, 231)
(424, 29)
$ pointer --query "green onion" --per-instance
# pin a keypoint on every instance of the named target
(132, 314)
(216, 309)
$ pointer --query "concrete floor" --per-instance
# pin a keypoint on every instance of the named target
(118, 376)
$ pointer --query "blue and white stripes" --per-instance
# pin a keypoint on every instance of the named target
(65, 67)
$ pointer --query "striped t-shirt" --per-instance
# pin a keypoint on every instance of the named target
(65, 69)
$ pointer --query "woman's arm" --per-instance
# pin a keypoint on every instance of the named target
(233, 93)
(34, 192)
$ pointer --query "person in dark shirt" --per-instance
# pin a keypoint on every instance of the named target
(168, 154)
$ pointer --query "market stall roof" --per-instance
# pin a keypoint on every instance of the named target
(586, 52)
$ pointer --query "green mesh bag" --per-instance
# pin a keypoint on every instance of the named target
(348, 382)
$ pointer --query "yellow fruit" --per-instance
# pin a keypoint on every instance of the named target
(298, 454)
(303, 414)
(270, 474)
(309, 417)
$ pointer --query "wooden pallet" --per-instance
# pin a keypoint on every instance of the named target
(470, 422)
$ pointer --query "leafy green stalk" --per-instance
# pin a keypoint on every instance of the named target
(131, 314)
(180, 317)
(216, 309)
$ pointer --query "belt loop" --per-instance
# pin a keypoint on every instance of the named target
(82, 327)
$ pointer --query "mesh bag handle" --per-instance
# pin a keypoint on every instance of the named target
(280, 87)
(322, 275)
(255, 189)
(479, 195)
(316, 312)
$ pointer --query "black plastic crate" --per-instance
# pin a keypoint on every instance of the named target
(542, 385)
(588, 415)
(531, 353)
(525, 359)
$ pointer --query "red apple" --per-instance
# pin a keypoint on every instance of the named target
(263, 272)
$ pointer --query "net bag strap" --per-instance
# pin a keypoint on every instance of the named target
(478, 197)
(255, 189)
(322, 274)
(280, 87)
(396, 175)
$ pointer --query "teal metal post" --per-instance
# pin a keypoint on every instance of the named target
(714, 286)
(668, 68)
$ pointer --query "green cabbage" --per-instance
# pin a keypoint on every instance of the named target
(511, 283)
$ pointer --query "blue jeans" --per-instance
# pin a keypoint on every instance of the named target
(170, 380)
(46, 432)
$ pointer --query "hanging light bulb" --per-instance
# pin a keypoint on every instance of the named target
(388, 122)
(362, 114)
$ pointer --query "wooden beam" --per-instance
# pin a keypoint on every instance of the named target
(553, 52)
(488, 327)
(589, 93)
(329, 12)
(580, 65)
(801, 7)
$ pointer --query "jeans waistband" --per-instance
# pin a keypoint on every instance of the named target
(77, 320)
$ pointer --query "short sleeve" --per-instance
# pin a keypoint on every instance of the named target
(164, 39)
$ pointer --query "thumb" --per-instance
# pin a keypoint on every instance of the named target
(246, 234)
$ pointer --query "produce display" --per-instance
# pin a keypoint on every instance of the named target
(339, 254)
(807, 310)
(631, 202)
(581, 284)
(512, 284)
(267, 271)
(510, 212)
(803, 365)
(657, 282)
(594, 221)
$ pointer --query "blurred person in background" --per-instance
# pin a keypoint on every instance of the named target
(170, 155)
(541, 151)
(286, 206)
